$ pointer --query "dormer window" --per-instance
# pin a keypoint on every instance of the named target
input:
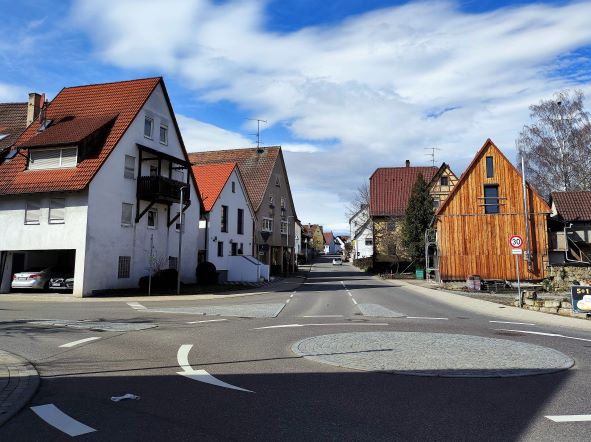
(56, 158)
(148, 127)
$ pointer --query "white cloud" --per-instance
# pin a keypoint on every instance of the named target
(11, 93)
(200, 136)
(383, 86)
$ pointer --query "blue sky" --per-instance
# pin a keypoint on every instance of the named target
(346, 86)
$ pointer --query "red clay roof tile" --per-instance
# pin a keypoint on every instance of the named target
(13, 121)
(573, 206)
(211, 179)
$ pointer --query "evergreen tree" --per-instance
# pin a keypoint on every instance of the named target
(417, 219)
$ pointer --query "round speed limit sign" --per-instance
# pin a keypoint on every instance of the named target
(516, 241)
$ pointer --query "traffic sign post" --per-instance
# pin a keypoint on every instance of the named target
(516, 242)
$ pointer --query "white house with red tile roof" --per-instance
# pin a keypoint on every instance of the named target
(95, 186)
(226, 227)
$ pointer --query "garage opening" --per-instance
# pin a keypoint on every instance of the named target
(42, 270)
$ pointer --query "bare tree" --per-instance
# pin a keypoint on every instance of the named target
(359, 201)
(557, 145)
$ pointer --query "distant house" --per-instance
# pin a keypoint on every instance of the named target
(340, 242)
(226, 228)
(95, 187)
(570, 228)
(317, 235)
(390, 190)
(329, 243)
(14, 119)
(480, 215)
(265, 178)
(361, 229)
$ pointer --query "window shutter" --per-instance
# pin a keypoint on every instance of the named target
(44, 159)
(57, 210)
(33, 212)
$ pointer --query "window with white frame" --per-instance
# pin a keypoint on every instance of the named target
(153, 219)
(129, 171)
(124, 267)
(220, 248)
(163, 134)
(284, 227)
(33, 211)
(148, 127)
(267, 225)
(57, 210)
(57, 158)
(126, 214)
(369, 241)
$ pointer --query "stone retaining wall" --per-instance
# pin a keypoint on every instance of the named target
(561, 278)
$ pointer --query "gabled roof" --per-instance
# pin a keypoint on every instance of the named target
(255, 165)
(573, 206)
(488, 143)
(13, 121)
(91, 104)
(211, 179)
(328, 237)
(438, 174)
(390, 188)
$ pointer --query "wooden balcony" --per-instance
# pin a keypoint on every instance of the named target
(160, 189)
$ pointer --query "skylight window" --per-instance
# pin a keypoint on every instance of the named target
(2, 136)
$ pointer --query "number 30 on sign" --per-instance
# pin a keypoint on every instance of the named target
(516, 241)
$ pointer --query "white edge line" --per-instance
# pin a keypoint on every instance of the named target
(514, 323)
(571, 418)
(554, 335)
(354, 302)
(287, 302)
(427, 317)
(81, 341)
(209, 320)
(60, 420)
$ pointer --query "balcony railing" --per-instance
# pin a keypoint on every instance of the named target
(160, 189)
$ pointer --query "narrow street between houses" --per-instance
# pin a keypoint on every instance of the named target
(340, 356)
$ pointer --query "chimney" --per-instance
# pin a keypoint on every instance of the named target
(407, 163)
(34, 107)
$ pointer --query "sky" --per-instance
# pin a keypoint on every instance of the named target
(344, 86)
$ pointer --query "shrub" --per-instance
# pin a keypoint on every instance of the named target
(206, 273)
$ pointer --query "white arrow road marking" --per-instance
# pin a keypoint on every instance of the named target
(316, 325)
(136, 306)
(209, 320)
(81, 341)
(60, 420)
(554, 335)
(514, 323)
(182, 357)
(571, 418)
(427, 317)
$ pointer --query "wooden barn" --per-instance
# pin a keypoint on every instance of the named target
(485, 208)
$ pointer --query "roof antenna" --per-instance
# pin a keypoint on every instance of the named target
(432, 153)
(258, 134)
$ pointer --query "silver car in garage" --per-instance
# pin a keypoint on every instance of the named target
(34, 278)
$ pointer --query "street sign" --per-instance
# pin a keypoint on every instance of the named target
(516, 241)
(516, 251)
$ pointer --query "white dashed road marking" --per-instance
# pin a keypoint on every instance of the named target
(60, 420)
(323, 316)
(317, 325)
(554, 335)
(209, 320)
(571, 418)
(182, 357)
(427, 317)
(81, 341)
(136, 306)
(514, 323)
(354, 302)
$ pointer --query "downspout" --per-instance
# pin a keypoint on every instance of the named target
(207, 237)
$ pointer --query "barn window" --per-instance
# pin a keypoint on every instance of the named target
(491, 198)
(490, 170)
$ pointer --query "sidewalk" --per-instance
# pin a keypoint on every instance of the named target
(279, 284)
(18, 383)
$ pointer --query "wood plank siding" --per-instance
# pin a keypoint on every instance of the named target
(472, 242)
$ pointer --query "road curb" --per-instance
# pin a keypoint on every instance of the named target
(19, 381)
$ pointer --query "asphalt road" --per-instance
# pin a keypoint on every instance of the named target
(344, 356)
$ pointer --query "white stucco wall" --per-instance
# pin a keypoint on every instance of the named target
(107, 239)
(234, 201)
(71, 235)
(360, 250)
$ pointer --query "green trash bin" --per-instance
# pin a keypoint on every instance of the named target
(420, 273)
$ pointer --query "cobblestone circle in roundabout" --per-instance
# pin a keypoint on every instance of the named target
(432, 354)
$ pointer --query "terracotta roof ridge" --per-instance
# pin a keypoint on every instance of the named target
(235, 148)
(112, 82)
